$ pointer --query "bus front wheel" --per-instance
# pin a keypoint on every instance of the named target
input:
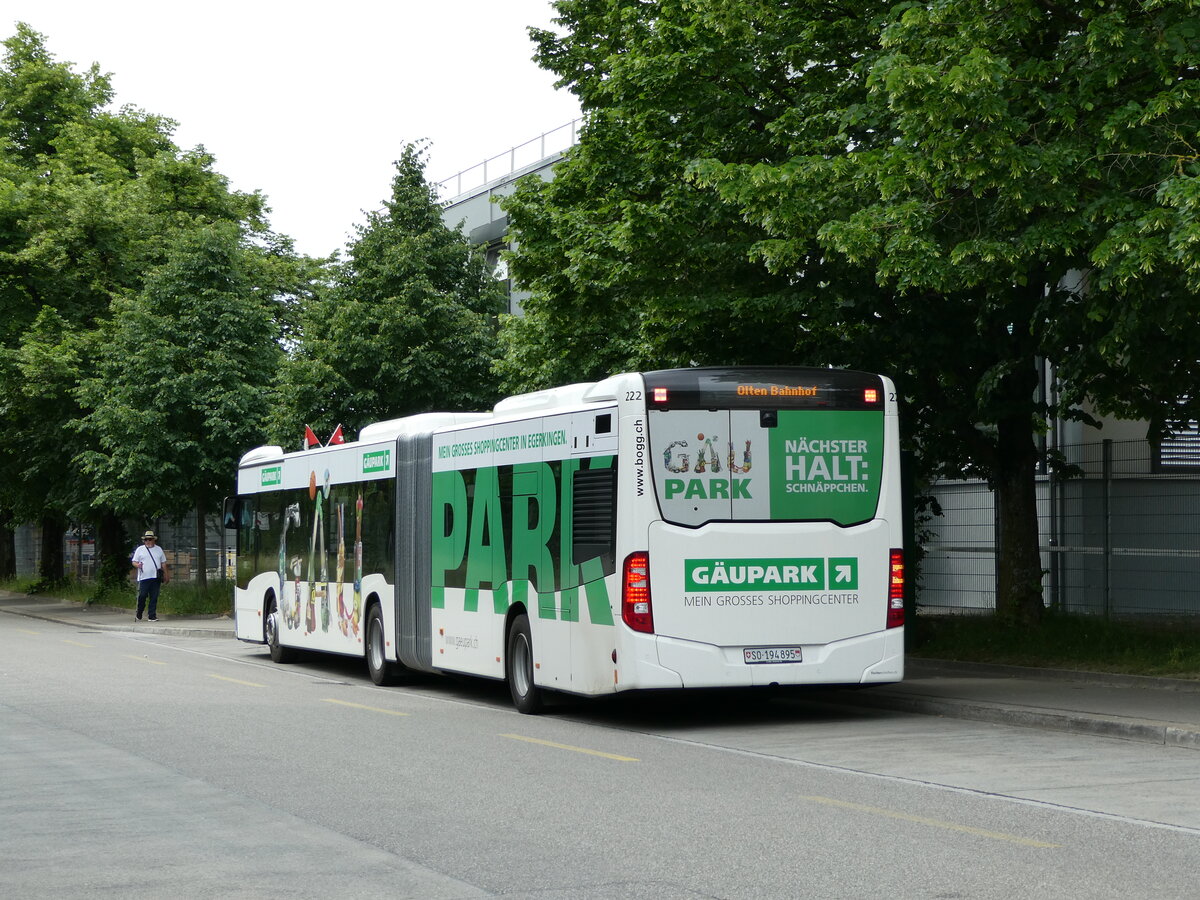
(279, 653)
(518, 668)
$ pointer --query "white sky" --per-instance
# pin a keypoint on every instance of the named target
(311, 102)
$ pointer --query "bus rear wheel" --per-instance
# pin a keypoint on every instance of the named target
(382, 672)
(279, 653)
(518, 668)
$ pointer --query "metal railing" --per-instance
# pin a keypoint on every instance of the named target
(557, 140)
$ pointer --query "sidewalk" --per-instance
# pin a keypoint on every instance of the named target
(109, 618)
(1154, 710)
(1131, 707)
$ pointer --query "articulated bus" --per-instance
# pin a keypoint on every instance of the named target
(686, 528)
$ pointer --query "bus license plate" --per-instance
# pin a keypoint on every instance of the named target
(755, 655)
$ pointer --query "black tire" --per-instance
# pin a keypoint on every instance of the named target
(518, 668)
(382, 672)
(279, 653)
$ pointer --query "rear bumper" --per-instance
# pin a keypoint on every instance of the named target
(870, 659)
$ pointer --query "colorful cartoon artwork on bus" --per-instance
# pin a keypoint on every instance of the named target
(356, 613)
(708, 457)
(289, 601)
(343, 619)
(292, 608)
(679, 465)
(324, 589)
(314, 591)
(745, 466)
(713, 457)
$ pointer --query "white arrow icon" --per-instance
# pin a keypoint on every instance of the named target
(843, 573)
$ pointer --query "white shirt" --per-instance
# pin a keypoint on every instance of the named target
(151, 558)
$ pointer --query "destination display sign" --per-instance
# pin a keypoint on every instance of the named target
(763, 388)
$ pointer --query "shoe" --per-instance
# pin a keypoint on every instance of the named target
(139, 618)
(154, 618)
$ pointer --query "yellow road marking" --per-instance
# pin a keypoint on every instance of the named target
(145, 659)
(533, 740)
(27, 631)
(236, 680)
(75, 643)
(935, 823)
(388, 712)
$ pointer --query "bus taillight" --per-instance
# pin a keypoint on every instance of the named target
(635, 593)
(895, 613)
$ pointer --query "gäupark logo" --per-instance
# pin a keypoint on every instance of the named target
(379, 461)
(796, 574)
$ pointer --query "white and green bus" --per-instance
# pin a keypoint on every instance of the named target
(704, 527)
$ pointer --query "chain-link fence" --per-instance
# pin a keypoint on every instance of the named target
(178, 541)
(1121, 539)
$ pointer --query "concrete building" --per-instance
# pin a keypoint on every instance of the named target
(469, 197)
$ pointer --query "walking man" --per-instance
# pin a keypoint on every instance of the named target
(151, 564)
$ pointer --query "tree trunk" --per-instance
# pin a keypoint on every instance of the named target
(51, 570)
(8, 547)
(201, 550)
(112, 550)
(1018, 562)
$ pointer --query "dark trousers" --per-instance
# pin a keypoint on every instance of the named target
(148, 589)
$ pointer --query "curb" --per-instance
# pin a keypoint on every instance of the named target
(1145, 731)
(132, 628)
(917, 666)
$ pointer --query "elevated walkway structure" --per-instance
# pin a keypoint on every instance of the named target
(468, 197)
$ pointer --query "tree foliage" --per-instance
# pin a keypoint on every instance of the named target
(406, 325)
(630, 263)
(91, 201)
(179, 388)
(948, 192)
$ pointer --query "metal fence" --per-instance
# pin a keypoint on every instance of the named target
(177, 540)
(1122, 539)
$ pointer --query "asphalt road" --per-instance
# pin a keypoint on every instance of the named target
(155, 766)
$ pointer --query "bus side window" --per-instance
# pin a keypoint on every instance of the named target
(233, 513)
(594, 515)
(239, 517)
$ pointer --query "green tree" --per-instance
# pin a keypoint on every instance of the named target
(40, 377)
(1014, 209)
(948, 192)
(406, 326)
(180, 388)
(630, 264)
(90, 199)
(41, 104)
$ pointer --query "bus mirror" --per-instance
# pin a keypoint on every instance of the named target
(233, 513)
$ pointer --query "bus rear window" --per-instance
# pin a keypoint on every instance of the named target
(814, 464)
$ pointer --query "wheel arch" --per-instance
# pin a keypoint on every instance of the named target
(516, 609)
(520, 669)
(373, 599)
(269, 600)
